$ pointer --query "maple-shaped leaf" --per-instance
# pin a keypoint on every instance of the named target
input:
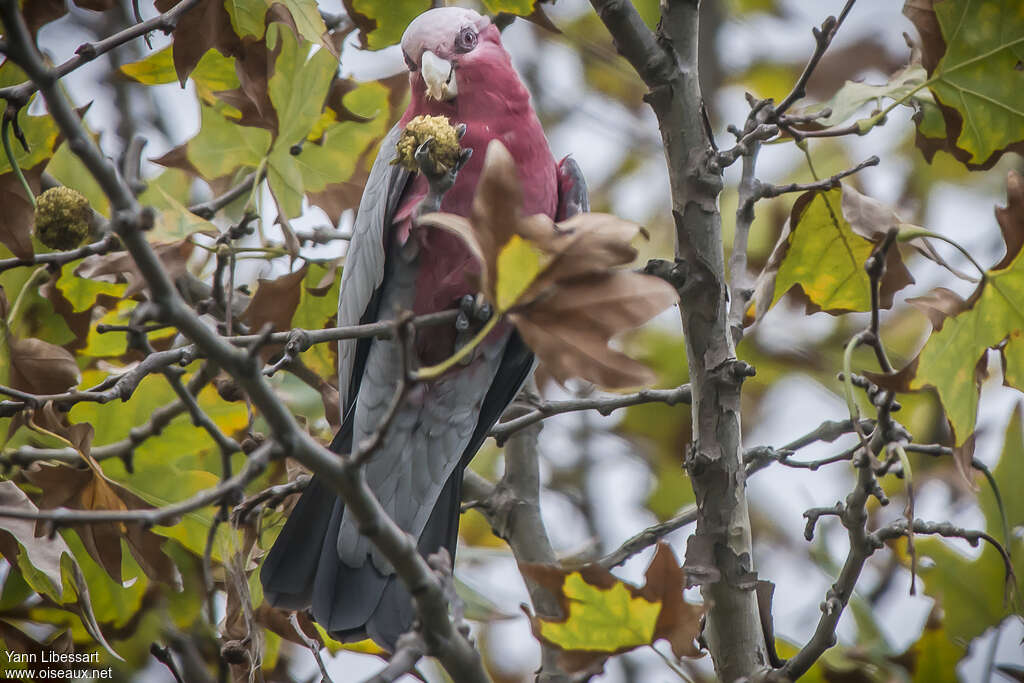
(973, 589)
(89, 489)
(382, 24)
(829, 237)
(558, 283)
(992, 317)
(40, 558)
(972, 52)
(33, 365)
(603, 615)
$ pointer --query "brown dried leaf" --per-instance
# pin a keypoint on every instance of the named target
(1011, 218)
(18, 215)
(275, 301)
(253, 65)
(569, 329)
(963, 456)
(173, 255)
(871, 219)
(586, 244)
(40, 367)
(41, 12)
(933, 46)
(88, 490)
(205, 26)
(497, 209)
(939, 304)
(55, 421)
(573, 303)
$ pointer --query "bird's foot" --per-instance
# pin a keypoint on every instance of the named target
(440, 177)
(474, 311)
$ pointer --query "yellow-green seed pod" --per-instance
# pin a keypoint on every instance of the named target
(63, 218)
(445, 149)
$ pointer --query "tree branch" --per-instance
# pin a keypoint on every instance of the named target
(667, 62)
(602, 404)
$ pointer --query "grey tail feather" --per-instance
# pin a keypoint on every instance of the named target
(303, 569)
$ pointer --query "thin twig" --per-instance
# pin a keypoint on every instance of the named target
(832, 182)
(648, 537)
(602, 404)
(822, 38)
(313, 646)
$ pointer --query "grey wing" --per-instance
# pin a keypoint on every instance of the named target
(426, 439)
(364, 261)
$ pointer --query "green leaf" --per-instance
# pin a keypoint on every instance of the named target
(168, 190)
(299, 85)
(297, 90)
(334, 159)
(823, 255)
(248, 17)
(971, 592)
(175, 465)
(176, 222)
(979, 77)
(935, 656)
(69, 170)
(81, 292)
(221, 146)
(382, 24)
(318, 308)
(214, 72)
(856, 94)
(41, 133)
(948, 359)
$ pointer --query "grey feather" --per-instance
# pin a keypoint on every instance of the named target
(427, 437)
(364, 261)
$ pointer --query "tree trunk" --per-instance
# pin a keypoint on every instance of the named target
(719, 553)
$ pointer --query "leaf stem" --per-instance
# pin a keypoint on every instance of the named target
(434, 371)
(851, 401)
(5, 135)
(912, 233)
(36, 277)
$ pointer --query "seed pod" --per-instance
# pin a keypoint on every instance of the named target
(63, 218)
(445, 148)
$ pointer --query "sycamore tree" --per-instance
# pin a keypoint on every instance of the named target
(168, 356)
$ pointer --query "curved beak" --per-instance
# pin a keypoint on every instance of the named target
(439, 76)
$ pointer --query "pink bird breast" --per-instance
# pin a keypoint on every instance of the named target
(494, 104)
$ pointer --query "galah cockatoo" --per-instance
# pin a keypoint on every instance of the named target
(459, 69)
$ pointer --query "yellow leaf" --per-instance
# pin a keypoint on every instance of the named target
(519, 263)
(602, 620)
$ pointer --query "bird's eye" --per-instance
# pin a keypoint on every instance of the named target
(408, 61)
(466, 40)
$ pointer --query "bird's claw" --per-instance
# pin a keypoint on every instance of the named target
(473, 311)
(440, 178)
